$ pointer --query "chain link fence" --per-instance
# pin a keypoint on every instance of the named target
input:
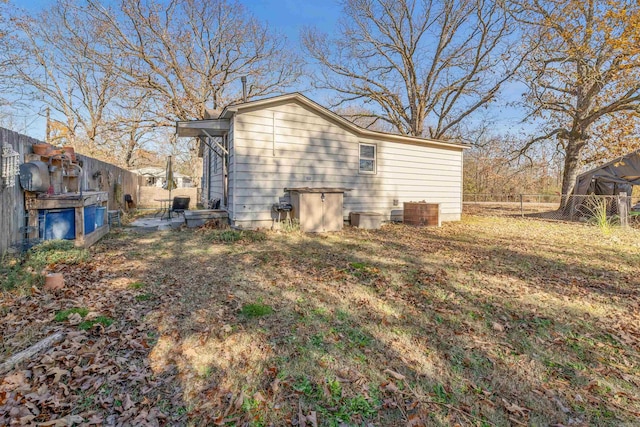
(619, 209)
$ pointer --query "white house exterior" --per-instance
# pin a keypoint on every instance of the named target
(254, 150)
(156, 177)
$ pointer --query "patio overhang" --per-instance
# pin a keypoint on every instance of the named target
(203, 128)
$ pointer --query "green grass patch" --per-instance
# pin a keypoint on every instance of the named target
(233, 236)
(24, 272)
(63, 315)
(102, 320)
(137, 285)
(256, 310)
(56, 252)
(143, 297)
(362, 270)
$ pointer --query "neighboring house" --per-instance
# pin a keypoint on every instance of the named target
(156, 177)
(254, 150)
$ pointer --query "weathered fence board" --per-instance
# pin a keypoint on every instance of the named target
(102, 176)
(11, 198)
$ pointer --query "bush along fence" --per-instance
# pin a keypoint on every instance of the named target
(617, 209)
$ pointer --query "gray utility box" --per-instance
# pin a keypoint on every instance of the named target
(317, 209)
(366, 220)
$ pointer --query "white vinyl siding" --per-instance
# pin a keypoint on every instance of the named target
(308, 150)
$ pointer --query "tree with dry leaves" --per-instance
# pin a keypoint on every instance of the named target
(584, 78)
(422, 66)
(118, 76)
(56, 68)
(190, 55)
(490, 169)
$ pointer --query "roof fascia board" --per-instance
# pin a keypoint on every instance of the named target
(195, 128)
(229, 111)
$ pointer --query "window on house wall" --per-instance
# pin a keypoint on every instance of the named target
(368, 158)
(215, 162)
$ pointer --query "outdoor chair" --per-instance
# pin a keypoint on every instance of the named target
(180, 204)
(214, 204)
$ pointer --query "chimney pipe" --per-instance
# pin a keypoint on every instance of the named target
(243, 79)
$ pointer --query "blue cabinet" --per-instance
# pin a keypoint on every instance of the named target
(58, 224)
(89, 219)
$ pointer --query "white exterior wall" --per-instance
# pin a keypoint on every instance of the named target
(312, 151)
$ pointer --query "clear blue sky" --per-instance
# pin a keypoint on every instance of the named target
(290, 17)
(287, 16)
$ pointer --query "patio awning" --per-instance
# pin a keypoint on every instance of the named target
(202, 128)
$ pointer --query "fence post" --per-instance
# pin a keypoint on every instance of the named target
(623, 210)
(521, 207)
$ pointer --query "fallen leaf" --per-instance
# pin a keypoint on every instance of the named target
(239, 401)
(395, 374)
(414, 420)
(515, 409)
(311, 418)
(74, 319)
(58, 373)
(275, 386)
(63, 422)
(126, 402)
(390, 386)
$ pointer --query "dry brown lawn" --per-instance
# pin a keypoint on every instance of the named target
(490, 321)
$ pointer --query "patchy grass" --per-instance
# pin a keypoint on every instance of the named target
(490, 321)
(232, 236)
(63, 315)
(256, 310)
(24, 272)
(101, 320)
(137, 285)
(143, 297)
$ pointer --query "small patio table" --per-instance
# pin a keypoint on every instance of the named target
(165, 208)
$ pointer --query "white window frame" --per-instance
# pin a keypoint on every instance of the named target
(375, 159)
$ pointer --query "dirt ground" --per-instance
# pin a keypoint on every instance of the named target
(489, 321)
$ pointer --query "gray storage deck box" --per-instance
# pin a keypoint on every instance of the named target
(198, 218)
(366, 220)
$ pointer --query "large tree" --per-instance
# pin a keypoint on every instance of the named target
(57, 68)
(115, 75)
(584, 78)
(423, 66)
(189, 55)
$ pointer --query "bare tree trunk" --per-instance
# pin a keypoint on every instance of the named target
(572, 163)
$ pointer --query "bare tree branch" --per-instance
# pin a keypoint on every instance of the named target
(426, 66)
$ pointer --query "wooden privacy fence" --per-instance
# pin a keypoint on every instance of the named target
(102, 176)
(148, 196)
(97, 175)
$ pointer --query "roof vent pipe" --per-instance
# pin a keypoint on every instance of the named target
(243, 79)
